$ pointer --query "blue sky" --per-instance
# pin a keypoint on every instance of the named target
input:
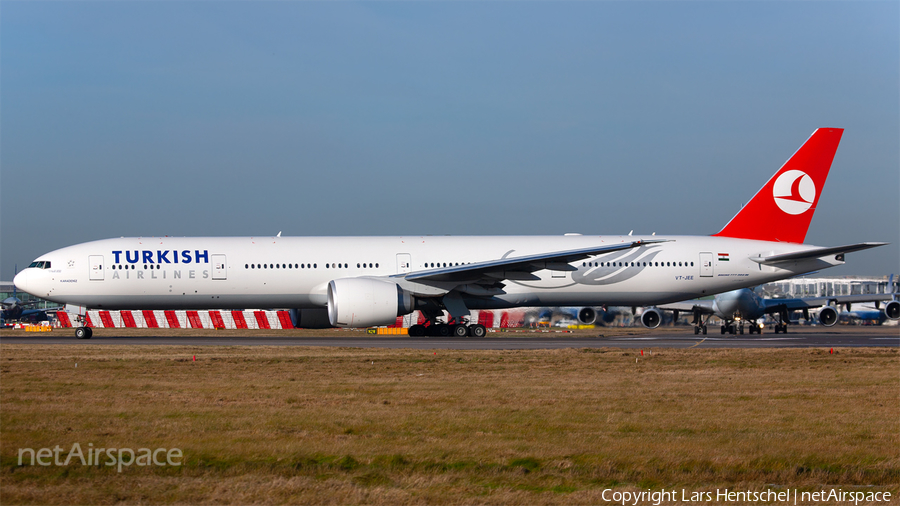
(389, 118)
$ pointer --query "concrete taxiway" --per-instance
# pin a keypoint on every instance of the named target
(799, 337)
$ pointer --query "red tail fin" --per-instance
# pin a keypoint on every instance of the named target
(782, 209)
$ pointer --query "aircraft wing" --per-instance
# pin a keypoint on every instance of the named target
(812, 302)
(703, 306)
(518, 268)
(816, 253)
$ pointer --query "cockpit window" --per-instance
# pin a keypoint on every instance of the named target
(40, 265)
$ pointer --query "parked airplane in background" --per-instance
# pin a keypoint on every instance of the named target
(366, 281)
(744, 305)
(14, 309)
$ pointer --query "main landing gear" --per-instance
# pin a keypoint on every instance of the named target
(737, 327)
(445, 330)
(700, 323)
(783, 319)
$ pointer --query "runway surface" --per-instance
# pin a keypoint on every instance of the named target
(852, 337)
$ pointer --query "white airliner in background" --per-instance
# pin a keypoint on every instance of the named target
(366, 281)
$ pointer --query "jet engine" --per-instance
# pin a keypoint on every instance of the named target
(892, 310)
(651, 318)
(310, 318)
(364, 302)
(828, 316)
(587, 316)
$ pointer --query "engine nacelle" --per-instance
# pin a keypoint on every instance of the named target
(892, 310)
(365, 302)
(828, 316)
(587, 316)
(310, 318)
(651, 318)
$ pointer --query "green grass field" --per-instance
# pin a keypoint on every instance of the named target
(372, 426)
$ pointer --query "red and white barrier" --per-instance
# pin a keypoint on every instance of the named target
(183, 319)
(224, 319)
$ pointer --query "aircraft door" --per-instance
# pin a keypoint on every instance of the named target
(706, 265)
(96, 265)
(404, 263)
(220, 268)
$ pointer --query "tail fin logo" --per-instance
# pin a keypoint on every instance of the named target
(794, 192)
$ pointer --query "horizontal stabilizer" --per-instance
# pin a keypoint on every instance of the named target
(816, 253)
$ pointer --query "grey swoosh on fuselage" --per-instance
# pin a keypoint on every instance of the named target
(607, 275)
(611, 275)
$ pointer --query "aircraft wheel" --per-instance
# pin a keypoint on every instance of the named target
(741, 330)
(83, 333)
(696, 330)
(460, 331)
(784, 329)
(777, 328)
(723, 329)
(731, 329)
(704, 330)
(417, 330)
(442, 330)
(477, 331)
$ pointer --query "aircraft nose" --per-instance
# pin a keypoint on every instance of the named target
(21, 280)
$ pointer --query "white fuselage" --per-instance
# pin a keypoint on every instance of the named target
(294, 272)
